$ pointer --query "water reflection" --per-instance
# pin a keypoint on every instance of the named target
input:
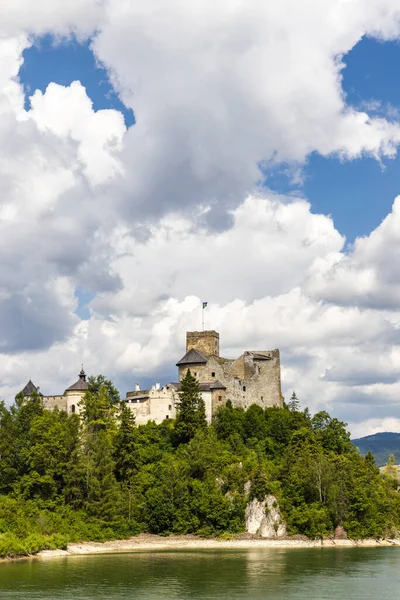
(254, 574)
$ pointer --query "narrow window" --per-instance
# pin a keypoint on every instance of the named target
(244, 388)
(195, 374)
(219, 398)
(213, 374)
(169, 407)
(73, 408)
(167, 416)
(262, 398)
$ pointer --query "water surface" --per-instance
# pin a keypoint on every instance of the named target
(254, 574)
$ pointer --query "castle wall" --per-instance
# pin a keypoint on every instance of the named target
(260, 385)
(218, 399)
(69, 402)
(206, 342)
(152, 405)
(74, 402)
(157, 405)
(248, 379)
(53, 402)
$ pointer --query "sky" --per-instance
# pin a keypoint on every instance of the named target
(157, 155)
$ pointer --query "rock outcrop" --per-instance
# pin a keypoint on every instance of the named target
(264, 518)
(340, 533)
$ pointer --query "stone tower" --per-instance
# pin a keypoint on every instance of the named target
(206, 342)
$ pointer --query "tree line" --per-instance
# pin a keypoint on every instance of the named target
(98, 476)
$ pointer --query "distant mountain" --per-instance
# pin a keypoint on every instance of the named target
(381, 445)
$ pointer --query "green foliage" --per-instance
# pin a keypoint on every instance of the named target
(191, 410)
(95, 383)
(68, 479)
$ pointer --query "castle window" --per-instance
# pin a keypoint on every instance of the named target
(213, 374)
(167, 416)
(169, 407)
(73, 408)
(219, 398)
(244, 388)
(195, 374)
(262, 398)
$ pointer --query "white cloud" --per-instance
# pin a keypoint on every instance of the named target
(220, 87)
(369, 275)
(68, 111)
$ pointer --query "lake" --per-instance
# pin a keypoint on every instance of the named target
(254, 574)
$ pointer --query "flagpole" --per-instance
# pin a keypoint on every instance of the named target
(204, 305)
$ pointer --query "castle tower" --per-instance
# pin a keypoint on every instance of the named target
(206, 342)
(76, 392)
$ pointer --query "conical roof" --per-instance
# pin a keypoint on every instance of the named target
(29, 389)
(81, 384)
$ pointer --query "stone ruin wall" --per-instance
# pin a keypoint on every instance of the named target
(260, 378)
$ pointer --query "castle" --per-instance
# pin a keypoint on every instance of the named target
(69, 401)
(253, 378)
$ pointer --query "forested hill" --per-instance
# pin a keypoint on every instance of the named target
(381, 445)
(97, 476)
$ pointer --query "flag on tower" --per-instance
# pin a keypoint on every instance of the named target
(204, 304)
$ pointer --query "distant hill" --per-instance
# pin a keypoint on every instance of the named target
(381, 445)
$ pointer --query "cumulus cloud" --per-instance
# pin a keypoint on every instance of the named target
(53, 161)
(223, 91)
(369, 274)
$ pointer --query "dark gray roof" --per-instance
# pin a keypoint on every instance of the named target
(193, 357)
(78, 385)
(134, 398)
(207, 386)
(29, 389)
(217, 385)
(81, 384)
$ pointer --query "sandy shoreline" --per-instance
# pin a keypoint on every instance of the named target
(145, 542)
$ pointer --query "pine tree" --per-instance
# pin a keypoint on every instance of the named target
(390, 468)
(102, 487)
(75, 488)
(191, 410)
(294, 404)
(126, 445)
(102, 493)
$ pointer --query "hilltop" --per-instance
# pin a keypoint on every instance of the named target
(381, 445)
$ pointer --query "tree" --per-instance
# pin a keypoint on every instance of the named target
(293, 404)
(98, 381)
(191, 410)
(390, 468)
(97, 409)
(332, 433)
(102, 487)
(8, 468)
(126, 445)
